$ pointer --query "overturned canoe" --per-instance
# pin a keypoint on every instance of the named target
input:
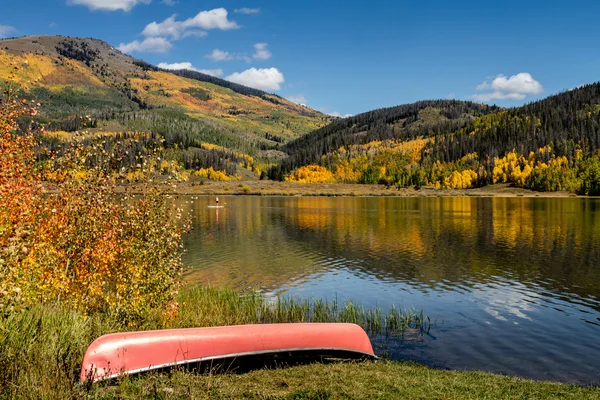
(133, 352)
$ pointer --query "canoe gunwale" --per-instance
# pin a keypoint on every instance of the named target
(315, 352)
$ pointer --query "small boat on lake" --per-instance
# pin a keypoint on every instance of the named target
(133, 352)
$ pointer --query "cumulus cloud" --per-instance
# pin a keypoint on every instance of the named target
(516, 87)
(246, 10)
(109, 5)
(188, 65)
(261, 78)
(219, 55)
(299, 98)
(148, 45)
(6, 30)
(262, 53)
(203, 21)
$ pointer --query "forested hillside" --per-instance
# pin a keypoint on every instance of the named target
(552, 144)
(409, 121)
(86, 87)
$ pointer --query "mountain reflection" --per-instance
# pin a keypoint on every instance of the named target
(434, 244)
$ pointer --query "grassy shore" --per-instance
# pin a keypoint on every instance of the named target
(41, 351)
(273, 188)
(367, 380)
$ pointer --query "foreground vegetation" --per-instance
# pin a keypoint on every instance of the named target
(41, 348)
(41, 351)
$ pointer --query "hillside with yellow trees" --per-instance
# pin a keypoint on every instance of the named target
(86, 86)
(549, 145)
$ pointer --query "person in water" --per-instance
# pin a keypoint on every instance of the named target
(217, 200)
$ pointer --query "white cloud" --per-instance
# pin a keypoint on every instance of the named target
(337, 114)
(325, 110)
(262, 53)
(109, 5)
(169, 2)
(246, 10)
(6, 30)
(212, 72)
(451, 96)
(204, 20)
(219, 55)
(517, 87)
(299, 98)
(188, 65)
(148, 45)
(261, 78)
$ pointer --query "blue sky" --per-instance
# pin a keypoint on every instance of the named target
(345, 57)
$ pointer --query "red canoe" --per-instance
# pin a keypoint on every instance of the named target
(133, 352)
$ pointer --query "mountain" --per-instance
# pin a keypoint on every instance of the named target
(81, 80)
(405, 122)
(551, 144)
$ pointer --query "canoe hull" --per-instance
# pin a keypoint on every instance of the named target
(132, 352)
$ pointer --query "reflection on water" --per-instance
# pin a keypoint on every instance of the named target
(512, 283)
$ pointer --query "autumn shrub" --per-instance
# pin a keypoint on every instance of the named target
(67, 236)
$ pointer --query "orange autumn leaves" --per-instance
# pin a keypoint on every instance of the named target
(76, 241)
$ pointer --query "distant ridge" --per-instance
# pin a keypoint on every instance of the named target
(104, 72)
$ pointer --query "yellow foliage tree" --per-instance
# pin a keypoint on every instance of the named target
(460, 180)
(311, 174)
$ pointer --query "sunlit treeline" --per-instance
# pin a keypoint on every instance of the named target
(550, 145)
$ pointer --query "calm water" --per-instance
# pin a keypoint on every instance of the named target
(513, 285)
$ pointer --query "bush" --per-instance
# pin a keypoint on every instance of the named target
(74, 240)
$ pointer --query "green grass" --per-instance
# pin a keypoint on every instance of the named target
(367, 380)
(41, 351)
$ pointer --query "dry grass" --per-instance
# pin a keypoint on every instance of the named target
(275, 188)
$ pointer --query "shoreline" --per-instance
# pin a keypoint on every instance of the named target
(275, 188)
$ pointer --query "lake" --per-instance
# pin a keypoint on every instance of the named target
(512, 285)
